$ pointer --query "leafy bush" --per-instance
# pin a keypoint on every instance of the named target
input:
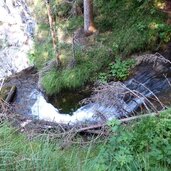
(119, 70)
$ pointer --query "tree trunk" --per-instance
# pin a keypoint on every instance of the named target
(167, 10)
(53, 31)
(89, 26)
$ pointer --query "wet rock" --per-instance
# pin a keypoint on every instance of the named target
(26, 84)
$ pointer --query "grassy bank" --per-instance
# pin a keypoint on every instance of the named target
(43, 153)
(143, 145)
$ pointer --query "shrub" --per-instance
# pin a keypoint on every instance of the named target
(144, 145)
(119, 70)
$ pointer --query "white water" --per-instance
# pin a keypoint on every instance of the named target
(47, 111)
(86, 114)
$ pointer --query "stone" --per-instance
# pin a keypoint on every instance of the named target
(17, 29)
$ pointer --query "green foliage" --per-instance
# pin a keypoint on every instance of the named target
(126, 27)
(43, 49)
(103, 77)
(138, 146)
(145, 145)
(164, 32)
(119, 70)
(61, 8)
(129, 22)
(19, 153)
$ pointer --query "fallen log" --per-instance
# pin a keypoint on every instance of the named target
(98, 126)
(11, 94)
(95, 129)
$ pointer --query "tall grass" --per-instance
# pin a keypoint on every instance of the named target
(19, 153)
(139, 146)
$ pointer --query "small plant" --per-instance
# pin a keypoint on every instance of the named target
(115, 47)
(120, 69)
(141, 27)
(103, 77)
(114, 124)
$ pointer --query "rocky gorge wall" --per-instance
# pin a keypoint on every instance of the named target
(17, 29)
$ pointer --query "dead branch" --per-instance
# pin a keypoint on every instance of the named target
(98, 126)
(11, 94)
(151, 58)
(114, 95)
(97, 132)
(162, 105)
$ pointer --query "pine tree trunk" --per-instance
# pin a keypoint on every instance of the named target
(89, 26)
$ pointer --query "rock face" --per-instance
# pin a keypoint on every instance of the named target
(16, 32)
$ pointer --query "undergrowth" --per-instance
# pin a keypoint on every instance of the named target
(135, 26)
(117, 70)
(126, 27)
(143, 145)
